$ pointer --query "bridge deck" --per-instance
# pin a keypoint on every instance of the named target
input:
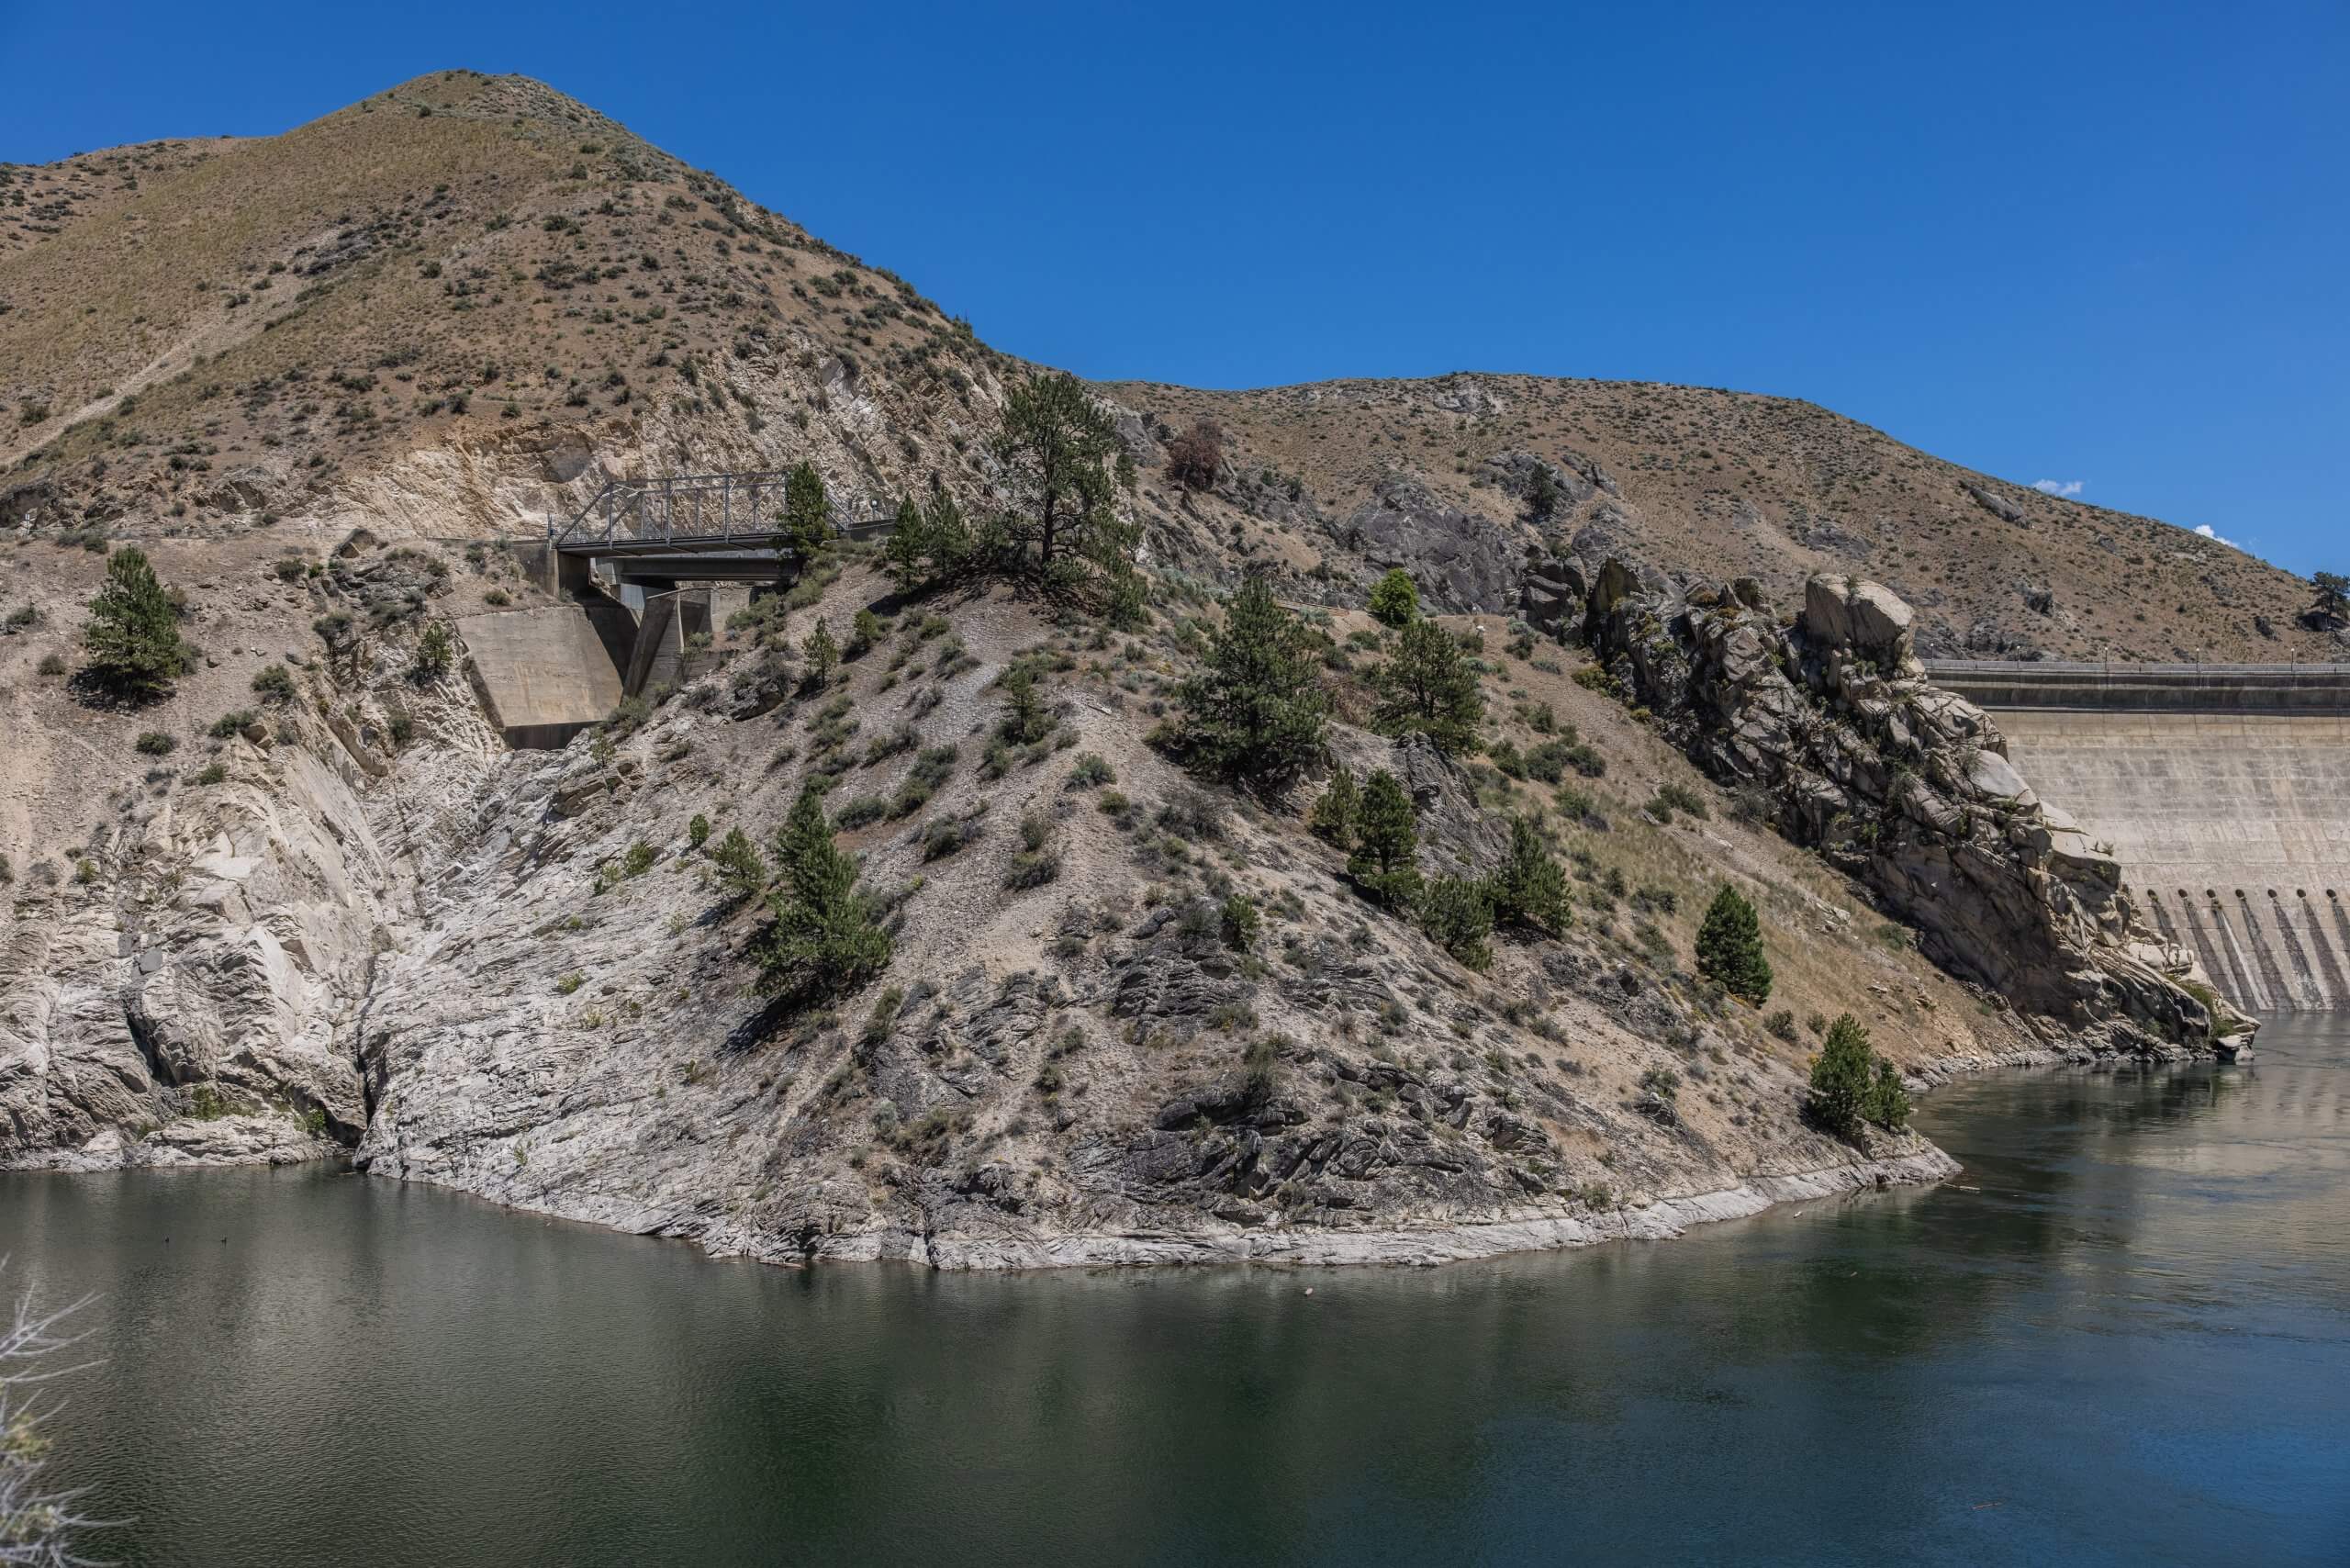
(690, 513)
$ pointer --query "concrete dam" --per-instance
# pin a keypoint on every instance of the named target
(2223, 790)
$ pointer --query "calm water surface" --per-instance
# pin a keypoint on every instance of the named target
(2129, 1344)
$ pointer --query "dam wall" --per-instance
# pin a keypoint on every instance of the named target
(543, 675)
(2223, 790)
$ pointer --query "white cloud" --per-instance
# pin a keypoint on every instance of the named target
(2207, 531)
(2059, 487)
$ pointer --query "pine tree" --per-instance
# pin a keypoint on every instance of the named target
(1730, 948)
(1058, 447)
(1025, 719)
(1840, 1077)
(134, 630)
(1457, 915)
(1334, 813)
(741, 871)
(807, 513)
(864, 630)
(2332, 596)
(820, 940)
(1530, 890)
(1255, 711)
(1387, 841)
(823, 657)
(1396, 599)
(434, 651)
(1428, 688)
(1126, 603)
(905, 554)
(1542, 494)
(947, 537)
(1888, 1102)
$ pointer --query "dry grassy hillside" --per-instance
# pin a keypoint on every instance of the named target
(1727, 484)
(483, 271)
(463, 263)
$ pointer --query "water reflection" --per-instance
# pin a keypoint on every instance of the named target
(2143, 1298)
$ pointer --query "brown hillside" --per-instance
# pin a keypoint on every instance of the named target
(1733, 483)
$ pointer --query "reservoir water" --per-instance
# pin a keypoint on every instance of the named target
(2122, 1336)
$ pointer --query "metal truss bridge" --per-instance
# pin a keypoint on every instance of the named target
(694, 526)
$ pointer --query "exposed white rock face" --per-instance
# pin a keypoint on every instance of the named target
(186, 1004)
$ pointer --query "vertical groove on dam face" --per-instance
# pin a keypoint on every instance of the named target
(2254, 993)
(2217, 961)
(2300, 976)
(2272, 974)
(2328, 976)
(2205, 808)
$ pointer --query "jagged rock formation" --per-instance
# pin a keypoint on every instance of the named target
(1906, 786)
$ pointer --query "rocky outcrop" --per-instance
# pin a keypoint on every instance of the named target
(1460, 561)
(1998, 506)
(186, 1001)
(1830, 722)
(1550, 596)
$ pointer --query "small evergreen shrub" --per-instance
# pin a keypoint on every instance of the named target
(1730, 948)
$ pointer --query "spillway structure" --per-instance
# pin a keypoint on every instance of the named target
(2223, 789)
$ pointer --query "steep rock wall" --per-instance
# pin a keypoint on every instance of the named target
(1830, 721)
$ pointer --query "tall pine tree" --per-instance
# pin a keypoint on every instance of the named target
(1429, 688)
(1334, 813)
(1058, 448)
(1387, 842)
(133, 633)
(1530, 890)
(1730, 948)
(1254, 712)
(904, 555)
(807, 512)
(1840, 1077)
(820, 940)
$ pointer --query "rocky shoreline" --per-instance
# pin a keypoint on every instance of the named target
(1420, 1246)
(1532, 1230)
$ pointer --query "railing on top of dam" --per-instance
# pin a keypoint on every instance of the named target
(2323, 688)
(2130, 667)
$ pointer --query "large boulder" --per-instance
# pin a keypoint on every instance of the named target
(1550, 596)
(1867, 618)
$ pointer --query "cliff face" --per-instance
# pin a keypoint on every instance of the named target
(1905, 786)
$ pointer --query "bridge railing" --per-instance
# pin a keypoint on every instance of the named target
(689, 510)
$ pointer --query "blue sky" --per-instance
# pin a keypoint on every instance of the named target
(2097, 244)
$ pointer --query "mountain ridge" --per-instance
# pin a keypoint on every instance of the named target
(415, 226)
